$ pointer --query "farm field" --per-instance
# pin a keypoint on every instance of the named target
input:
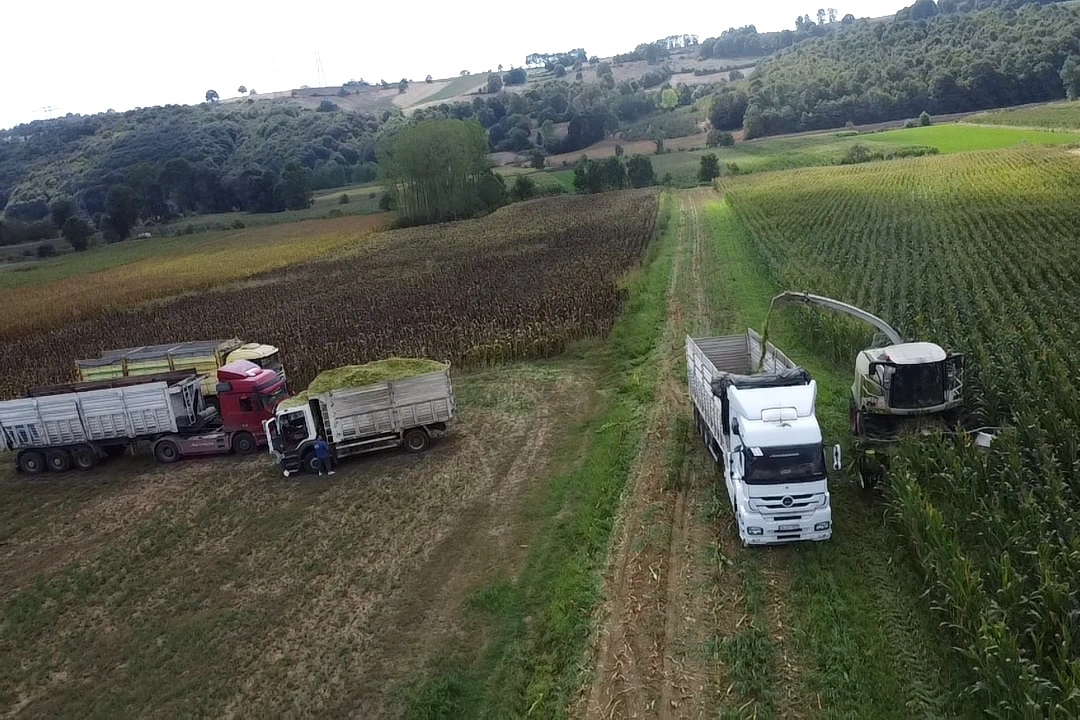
(117, 276)
(427, 291)
(827, 148)
(266, 593)
(979, 252)
(1060, 115)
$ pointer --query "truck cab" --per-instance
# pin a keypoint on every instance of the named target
(248, 395)
(265, 356)
(290, 433)
(775, 465)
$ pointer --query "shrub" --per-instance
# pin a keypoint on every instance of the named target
(344, 199)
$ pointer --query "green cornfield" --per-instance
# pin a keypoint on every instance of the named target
(979, 252)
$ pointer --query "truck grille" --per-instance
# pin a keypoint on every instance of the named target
(785, 507)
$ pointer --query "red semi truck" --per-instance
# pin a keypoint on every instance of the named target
(78, 424)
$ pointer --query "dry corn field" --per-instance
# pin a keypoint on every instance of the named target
(980, 252)
(161, 268)
(522, 282)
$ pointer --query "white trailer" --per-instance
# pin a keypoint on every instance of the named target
(75, 425)
(760, 427)
(405, 412)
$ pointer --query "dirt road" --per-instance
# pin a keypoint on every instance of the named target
(663, 603)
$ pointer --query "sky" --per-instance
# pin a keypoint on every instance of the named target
(79, 56)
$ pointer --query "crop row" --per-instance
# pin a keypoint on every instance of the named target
(978, 252)
(522, 282)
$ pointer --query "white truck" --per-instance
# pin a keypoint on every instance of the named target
(761, 429)
(404, 412)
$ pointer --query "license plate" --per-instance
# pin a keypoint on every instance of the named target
(788, 528)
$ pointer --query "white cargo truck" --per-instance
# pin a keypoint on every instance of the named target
(757, 421)
(405, 412)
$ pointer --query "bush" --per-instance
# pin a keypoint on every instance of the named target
(344, 199)
(189, 229)
(335, 213)
(924, 119)
(524, 188)
(720, 138)
(386, 202)
(45, 250)
(238, 224)
(710, 167)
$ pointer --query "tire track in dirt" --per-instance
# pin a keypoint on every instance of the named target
(660, 591)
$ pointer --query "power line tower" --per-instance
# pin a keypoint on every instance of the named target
(318, 65)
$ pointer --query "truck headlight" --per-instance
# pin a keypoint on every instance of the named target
(754, 531)
(822, 526)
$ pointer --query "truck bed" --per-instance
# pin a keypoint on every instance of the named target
(389, 407)
(92, 413)
(708, 357)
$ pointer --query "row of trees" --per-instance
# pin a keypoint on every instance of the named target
(593, 176)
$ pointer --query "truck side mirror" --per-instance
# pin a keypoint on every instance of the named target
(836, 457)
(224, 387)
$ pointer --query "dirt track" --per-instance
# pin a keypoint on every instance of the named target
(665, 593)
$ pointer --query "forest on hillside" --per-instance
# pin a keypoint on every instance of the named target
(939, 63)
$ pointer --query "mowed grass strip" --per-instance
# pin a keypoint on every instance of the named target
(539, 622)
(117, 277)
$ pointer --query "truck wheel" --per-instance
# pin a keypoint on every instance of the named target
(311, 462)
(83, 457)
(58, 460)
(416, 440)
(166, 452)
(244, 443)
(31, 462)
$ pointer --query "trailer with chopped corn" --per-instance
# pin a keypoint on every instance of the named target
(362, 408)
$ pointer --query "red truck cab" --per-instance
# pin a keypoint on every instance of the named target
(248, 395)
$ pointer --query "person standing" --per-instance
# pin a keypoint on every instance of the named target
(322, 454)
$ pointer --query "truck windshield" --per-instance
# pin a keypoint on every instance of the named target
(271, 398)
(293, 429)
(794, 463)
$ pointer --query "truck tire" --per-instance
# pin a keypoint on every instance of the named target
(31, 462)
(243, 443)
(58, 460)
(83, 457)
(416, 440)
(166, 451)
(310, 462)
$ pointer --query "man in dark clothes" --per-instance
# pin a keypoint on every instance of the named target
(322, 454)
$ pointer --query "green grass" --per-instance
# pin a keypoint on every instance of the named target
(853, 609)
(954, 138)
(360, 202)
(458, 86)
(1059, 115)
(540, 622)
(785, 153)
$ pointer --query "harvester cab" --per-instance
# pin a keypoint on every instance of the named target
(900, 389)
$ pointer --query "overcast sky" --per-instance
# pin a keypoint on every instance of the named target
(84, 57)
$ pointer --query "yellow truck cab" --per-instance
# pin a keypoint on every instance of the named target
(202, 356)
